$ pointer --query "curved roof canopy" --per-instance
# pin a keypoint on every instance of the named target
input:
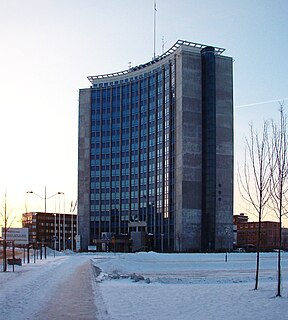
(178, 44)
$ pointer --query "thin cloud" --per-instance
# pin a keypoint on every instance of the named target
(259, 103)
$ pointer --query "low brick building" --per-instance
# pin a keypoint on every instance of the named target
(246, 234)
(240, 218)
(57, 230)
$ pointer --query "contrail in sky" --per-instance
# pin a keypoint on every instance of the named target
(258, 103)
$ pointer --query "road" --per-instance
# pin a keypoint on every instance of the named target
(56, 288)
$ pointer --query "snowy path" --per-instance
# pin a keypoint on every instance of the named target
(73, 299)
(60, 288)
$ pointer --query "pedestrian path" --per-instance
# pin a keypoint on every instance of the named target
(74, 298)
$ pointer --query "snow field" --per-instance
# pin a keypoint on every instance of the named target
(191, 286)
(145, 286)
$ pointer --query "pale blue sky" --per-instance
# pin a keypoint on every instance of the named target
(48, 48)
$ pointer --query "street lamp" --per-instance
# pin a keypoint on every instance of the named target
(227, 239)
(45, 198)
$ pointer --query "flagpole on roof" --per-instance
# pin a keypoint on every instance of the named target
(154, 29)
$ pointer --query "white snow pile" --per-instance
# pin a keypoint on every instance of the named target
(191, 286)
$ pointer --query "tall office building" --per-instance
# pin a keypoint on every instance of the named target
(156, 147)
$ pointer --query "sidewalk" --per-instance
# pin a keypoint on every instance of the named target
(56, 288)
(73, 299)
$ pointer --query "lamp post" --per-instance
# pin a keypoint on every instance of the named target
(227, 235)
(63, 223)
(54, 237)
(146, 214)
(162, 242)
(45, 198)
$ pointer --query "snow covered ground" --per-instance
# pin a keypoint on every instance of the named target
(56, 288)
(191, 286)
(145, 286)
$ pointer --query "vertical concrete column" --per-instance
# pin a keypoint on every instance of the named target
(224, 153)
(188, 164)
(84, 142)
(208, 148)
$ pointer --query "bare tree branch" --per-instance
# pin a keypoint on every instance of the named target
(279, 170)
(255, 179)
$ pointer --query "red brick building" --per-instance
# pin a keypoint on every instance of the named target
(240, 218)
(246, 234)
(57, 230)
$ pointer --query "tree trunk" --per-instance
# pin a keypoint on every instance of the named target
(258, 254)
(4, 256)
(279, 259)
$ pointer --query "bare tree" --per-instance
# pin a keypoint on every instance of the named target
(254, 181)
(6, 221)
(279, 186)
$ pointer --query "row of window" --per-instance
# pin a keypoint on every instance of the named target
(131, 102)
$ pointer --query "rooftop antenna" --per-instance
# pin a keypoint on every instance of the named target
(163, 44)
(154, 27)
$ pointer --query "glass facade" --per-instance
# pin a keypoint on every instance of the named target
(131, 155)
